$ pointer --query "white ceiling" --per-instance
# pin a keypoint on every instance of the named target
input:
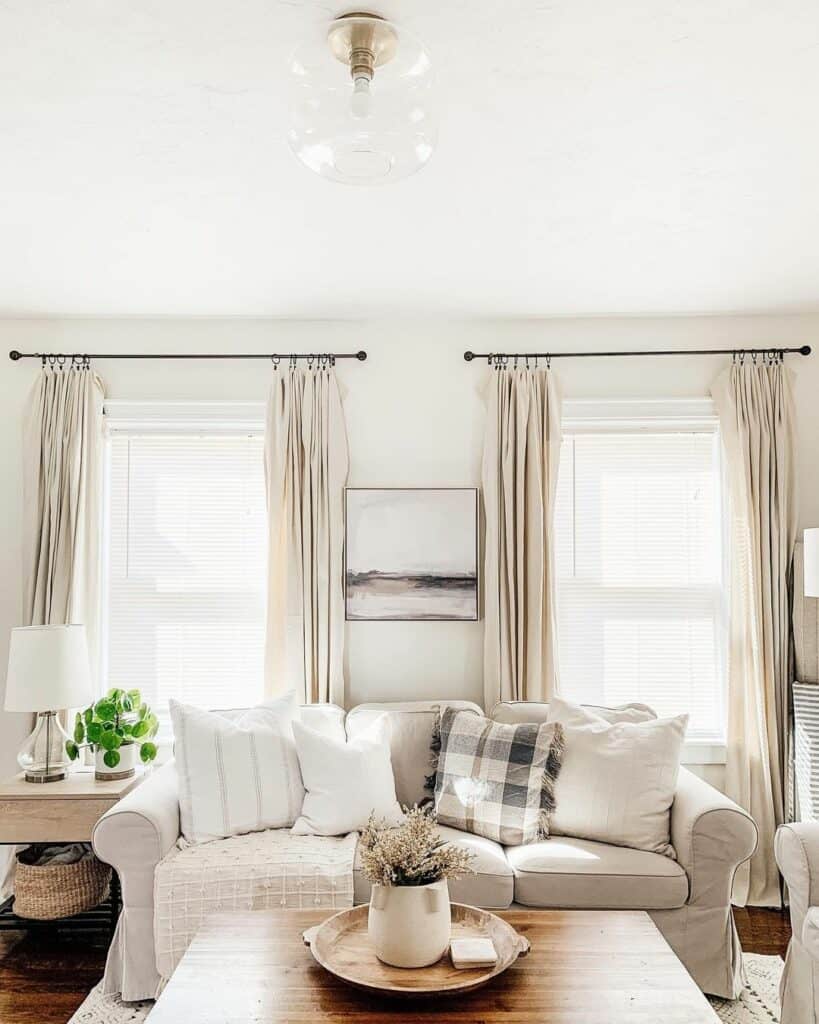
(617, 156)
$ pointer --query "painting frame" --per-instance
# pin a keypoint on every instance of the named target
(473, 526)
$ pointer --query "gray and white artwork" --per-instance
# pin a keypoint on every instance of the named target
(412, 553)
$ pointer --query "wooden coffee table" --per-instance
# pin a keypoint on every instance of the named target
(585, 967)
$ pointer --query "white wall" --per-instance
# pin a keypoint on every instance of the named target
(415, 417)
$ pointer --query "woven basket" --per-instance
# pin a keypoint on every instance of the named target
(50, 891)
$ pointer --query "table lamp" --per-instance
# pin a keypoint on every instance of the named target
(48, 671)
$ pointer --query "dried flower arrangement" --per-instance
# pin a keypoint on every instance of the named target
(410, 854)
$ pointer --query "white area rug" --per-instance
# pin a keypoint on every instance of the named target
(759, 1003)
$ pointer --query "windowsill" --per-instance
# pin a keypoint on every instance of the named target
(703, 752)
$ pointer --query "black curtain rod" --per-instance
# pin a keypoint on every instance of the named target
(490, 356)
(62, 357)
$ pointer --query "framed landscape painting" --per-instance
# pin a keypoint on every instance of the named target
(411, 553)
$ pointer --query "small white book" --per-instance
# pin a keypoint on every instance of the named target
(472, 953)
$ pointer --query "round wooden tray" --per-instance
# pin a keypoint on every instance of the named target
(341, 945)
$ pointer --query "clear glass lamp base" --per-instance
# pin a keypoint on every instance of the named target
(42, 757)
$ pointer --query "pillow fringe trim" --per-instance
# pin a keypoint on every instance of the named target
(434, 753)
(551, 770)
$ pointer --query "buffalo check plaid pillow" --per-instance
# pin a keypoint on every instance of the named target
(497, 780)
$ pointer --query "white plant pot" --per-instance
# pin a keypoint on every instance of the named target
(409, 925)
(124, 770)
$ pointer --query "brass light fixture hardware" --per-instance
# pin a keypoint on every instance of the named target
(377, 126)
(362, 45)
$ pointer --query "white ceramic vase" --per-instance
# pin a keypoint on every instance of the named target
(125, 768)
(409, 925)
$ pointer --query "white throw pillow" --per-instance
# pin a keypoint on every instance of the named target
(345, 782)
(618, 779)
(237, 774)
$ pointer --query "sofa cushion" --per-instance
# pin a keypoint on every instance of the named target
(238, 774)
(259, 871)
(565, 872)
(346, 782)
(328, 719)
(511, 712)
(497, 780)
(618, 779)
(491, 886)
(413, 724)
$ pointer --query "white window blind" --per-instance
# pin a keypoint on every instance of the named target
(186, 563)
(639, 553)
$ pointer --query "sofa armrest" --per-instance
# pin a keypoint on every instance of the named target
(137, 832)
(133, 837)
(711, 836)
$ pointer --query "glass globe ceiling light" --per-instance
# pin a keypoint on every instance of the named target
(362, 109)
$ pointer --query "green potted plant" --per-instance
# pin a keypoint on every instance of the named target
(118, 728)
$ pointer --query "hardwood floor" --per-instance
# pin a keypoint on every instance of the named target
(44, 978)
(763, 931)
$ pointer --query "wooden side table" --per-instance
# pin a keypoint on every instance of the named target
(60, 812)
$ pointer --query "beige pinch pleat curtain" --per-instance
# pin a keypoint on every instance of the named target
(62, 482)
(62, 485)
(756, 413)
(306, 466)
(520, 466)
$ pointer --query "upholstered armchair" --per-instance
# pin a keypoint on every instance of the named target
(797, 853)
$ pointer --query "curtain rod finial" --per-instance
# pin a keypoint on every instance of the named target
(469, 356)
(805, 350)
(14, 354)
(361, 356)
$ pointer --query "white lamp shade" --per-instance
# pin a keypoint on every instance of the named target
(811, 552)
(48, 668)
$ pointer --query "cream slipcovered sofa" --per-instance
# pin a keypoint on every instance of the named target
(688, 898)
(797, 854)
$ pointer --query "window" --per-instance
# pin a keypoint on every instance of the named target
(185, 545)
(641, 598)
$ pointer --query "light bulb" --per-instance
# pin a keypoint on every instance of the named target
(360, 99)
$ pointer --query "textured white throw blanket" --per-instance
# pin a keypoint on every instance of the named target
(261, 871)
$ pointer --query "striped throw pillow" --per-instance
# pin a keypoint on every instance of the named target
(497, 780)
(238, 774)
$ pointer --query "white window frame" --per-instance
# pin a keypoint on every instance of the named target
(579, 416)
(126, 417)
(121, 416)
(669, 415)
